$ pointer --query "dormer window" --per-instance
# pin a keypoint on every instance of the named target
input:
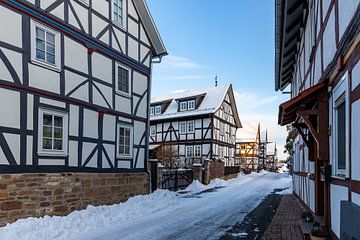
(157, 110)
(183, 106)
(191, 105)
(152, 110)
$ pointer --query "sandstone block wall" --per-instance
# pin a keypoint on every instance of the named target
(39, 194)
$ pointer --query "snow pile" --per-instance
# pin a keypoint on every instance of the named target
(160, 215)
(62, 228)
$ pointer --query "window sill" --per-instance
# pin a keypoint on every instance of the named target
(52, 154)
(119, 25)
(124, 157)
(122, 94)
(338, 177)
(45, 65)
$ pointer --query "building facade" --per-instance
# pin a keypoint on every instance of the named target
(197, 124)
(247, 151)
(317, 55)
(75, 77)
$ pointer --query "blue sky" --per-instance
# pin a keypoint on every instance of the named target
(233, 40)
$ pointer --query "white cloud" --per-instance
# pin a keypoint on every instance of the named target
(176, 62)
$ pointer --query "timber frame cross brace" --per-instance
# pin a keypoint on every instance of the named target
(304, 115)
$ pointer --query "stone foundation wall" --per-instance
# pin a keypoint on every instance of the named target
(39, 194)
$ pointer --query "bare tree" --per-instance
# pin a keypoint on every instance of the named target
(167, 155)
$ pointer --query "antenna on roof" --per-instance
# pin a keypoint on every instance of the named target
(216, 81)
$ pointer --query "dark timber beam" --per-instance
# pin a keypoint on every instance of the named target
(295, 23)
(293, 8)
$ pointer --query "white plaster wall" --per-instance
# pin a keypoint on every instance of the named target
(133, 49)
(102, 67)
(30, 111)
(73, 80)
(140, 161)
(43, 78)
(10, 23)
(122, 104)
(131, 10)
(109, 127)
(52, 102)
(139, 129)
(13, 141)
(90, 123)
(82, 14)
(124, 164)
(87, 148)
(329, 43)
(9, 117)
(355, 198)
(133, 28)
(29, 152)
(52, 162)
(73, 153)
(325, 7)
(347, 10)
(102, 95)
(312, 195)
(76, 55)
(102, 7)
(355, 140)
(337, 193)
(15, 59)
(74, 120)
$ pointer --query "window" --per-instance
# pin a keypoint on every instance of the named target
(45, 43)
(157, 110)
(222, 128)
(53, 129)
(197, 151)
(123, 80)
(340, 135)
(152, 111)
(189, 151)
(243, 147)
(221, 152)
(182, 127)
(118, 12)
(183, 106)
(152, 131)
(190, 126)
(191, 105)
(124, 141)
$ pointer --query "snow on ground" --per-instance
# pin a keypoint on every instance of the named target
(199, 212)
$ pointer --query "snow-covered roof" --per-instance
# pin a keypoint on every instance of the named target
(271, 148)
(248, 133)
(213, 98)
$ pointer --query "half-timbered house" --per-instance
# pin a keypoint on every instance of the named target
(198, 124)
(317, 58)
(247, 150)
(74, 86)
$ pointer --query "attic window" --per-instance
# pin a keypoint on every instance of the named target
(183, 106)
(157, 110)
(191, 105)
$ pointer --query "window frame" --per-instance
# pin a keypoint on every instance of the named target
(124, 15)
(193, 105)
(199, 149)
(117, 65)
(340, 94)
(153, 127)
(158, 110)
(118, 154)
(152, 111)
(56, 66)
(183, 106)
(65, 132)
(191, 151)
(187, 126)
